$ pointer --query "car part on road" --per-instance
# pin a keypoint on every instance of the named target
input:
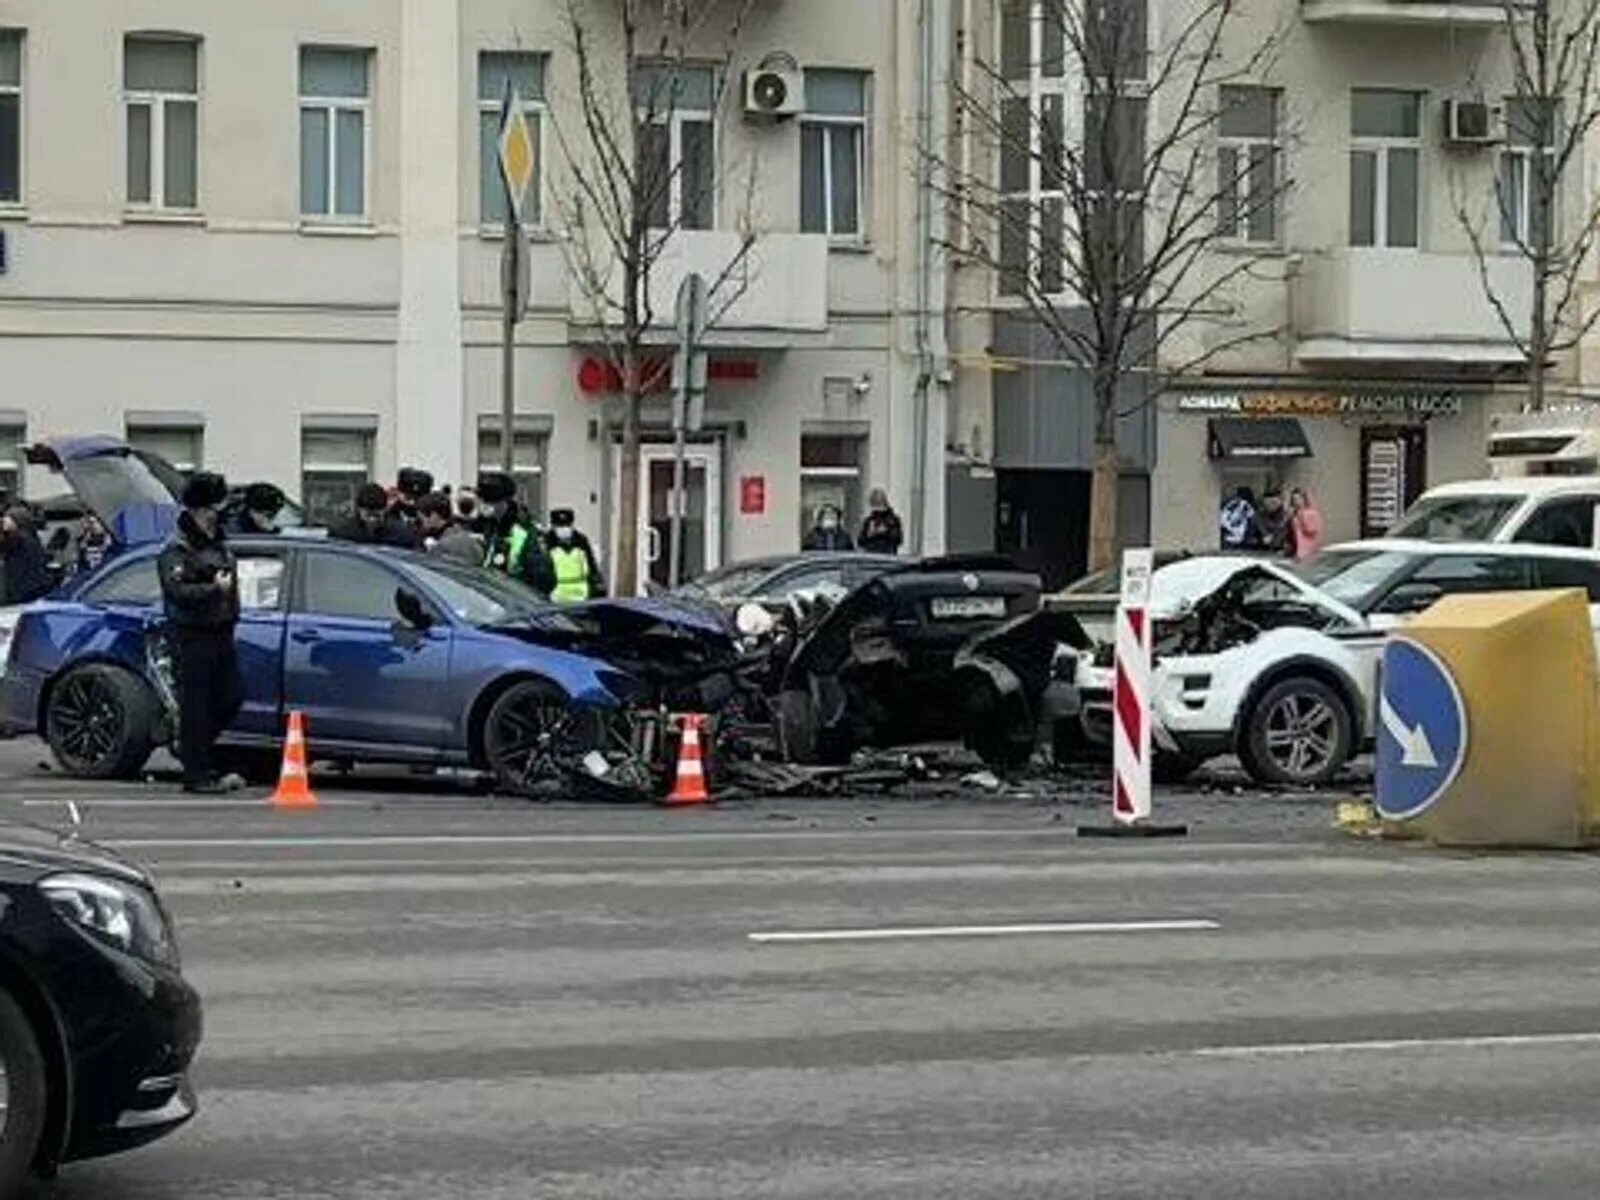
(1298, 733)
(100, 721)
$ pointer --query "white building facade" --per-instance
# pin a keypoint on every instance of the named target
(267, 238)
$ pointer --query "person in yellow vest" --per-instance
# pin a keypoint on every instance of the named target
(577, 571)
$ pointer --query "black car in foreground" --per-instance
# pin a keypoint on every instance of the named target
(97, 1025)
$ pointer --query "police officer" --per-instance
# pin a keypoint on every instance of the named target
(511, 543)
(200, 588)
(577, 571)
(373, 523)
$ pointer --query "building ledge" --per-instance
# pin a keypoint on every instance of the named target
(1478, 14)
(1438, 353)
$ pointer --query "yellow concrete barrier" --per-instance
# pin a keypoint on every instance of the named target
(1489, 723)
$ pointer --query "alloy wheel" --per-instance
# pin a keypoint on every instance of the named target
(86, 719)
(537, 739)
(1302, 735)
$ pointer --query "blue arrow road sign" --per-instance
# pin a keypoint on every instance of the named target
(1422, 730)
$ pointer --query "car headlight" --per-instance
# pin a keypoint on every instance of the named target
(123, 916)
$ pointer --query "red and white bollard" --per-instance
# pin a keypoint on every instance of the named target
(1131, 777)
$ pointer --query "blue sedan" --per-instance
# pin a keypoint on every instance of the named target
(391, 657)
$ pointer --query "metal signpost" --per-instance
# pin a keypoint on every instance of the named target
(688, 405)
(516, 173)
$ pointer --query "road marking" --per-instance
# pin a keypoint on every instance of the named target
(1052, 928)
(597, 839)
(1389, 1045)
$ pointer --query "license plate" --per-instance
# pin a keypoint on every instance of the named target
(966, 608)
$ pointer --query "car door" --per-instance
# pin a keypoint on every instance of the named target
(1443, 575)
(359, 676)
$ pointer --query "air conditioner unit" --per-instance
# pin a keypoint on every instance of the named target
(772, 94)
(1471, 123)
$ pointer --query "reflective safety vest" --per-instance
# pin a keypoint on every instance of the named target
(572, 574)
(506, 554)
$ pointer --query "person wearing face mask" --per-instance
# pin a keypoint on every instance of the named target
(577, 571)
(881, 532)
(26, 564)
(259, 512)
(200, 594)
(511, 544)
(829, 532)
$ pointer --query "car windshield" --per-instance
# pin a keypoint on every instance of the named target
(1353, 577)
(477, 596)
(732, 582)
(1456, 518)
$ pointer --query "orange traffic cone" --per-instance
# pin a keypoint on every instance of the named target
(294, 786)
(690, 786)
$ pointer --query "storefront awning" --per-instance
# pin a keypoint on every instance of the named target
(1258, 437)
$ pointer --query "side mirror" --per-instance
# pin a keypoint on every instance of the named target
(412, 611)
(1411, 598)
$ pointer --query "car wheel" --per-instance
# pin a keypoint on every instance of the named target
(533, 737)
(101, 722)
(1299, 733)
(23, 1098)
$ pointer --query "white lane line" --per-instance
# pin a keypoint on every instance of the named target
(258, 801)
(1035, 929)
(1390, 1045)
(564, 839)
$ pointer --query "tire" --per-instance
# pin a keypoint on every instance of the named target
(533, 737)
(101, 722)
(26, 1097)
(1299, 733)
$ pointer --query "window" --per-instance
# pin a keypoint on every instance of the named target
(180, 445)
(333, 463)
(525, 72)
(1562, 523)
(1527, 172)
(161, 93)
(339, 585)
(10, 117)
(1462, 573)
(833, 153)
(1385, 154)
(824, 578)
(12, 439)
(136, 583)
(335, 127)
(261, 583)
(1247, 164)
(1033, 140)
(1456, 518)
(528, 454)
(677, 143)
(830, 473)
(1558, 573)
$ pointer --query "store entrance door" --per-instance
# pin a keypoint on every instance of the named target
(1394, 472)
(702, 518)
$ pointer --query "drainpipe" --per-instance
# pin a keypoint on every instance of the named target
(926, 66)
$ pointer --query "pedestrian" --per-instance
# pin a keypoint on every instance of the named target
(1306, 523)
(828, 531)
(1273, 531)
(200, 592)
(27, 572)
(372, 523)
(445, 537)
(411, 485)
(258, 513)
(467, 508)
(881, 532)
(1238, 520)
(572, 558)
(511, 544)
(94, 545)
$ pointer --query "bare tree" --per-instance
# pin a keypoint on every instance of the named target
(1551, 115)
(1100, 223)
(639, 137)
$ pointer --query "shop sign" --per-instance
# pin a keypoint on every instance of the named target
(752, 495)
(1323, 404)
(598, 376)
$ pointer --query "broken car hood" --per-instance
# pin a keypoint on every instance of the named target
(1177, 588)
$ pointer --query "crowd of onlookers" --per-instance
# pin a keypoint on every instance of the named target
(1269, 525)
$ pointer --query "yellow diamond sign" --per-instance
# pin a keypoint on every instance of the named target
(516, 151)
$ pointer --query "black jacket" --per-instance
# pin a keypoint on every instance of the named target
(189, 567)
(837, 538)
(26, 571)
(534, 568)
(391, 530)
(881, 532)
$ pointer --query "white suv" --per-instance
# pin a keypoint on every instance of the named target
(1278, 664)
(1547, 510)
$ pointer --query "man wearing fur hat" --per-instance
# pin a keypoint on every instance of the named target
(200, 588)
(511, 543)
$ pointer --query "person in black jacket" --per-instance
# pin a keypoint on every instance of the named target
(829, 532)
(26, 566)
(200, 592)
(258, 513)
(881, 532)
(374, 523)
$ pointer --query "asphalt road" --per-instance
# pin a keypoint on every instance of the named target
(419, 997)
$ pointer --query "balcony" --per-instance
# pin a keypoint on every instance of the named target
(1355, 306)
(1456, 13)
(774, 296)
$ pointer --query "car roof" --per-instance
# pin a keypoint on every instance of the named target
(1421, 548)
(1527, 485)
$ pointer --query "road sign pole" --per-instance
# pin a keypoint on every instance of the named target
(1131, 779)
(508, 351)
(516, 153)
(691, 315)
